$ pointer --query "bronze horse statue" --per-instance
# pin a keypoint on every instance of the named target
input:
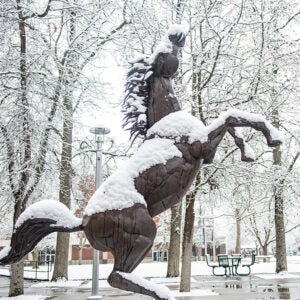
(118, 217)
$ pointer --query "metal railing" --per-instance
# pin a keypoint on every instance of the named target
(33, 269)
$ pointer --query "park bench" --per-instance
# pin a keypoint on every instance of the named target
(263, 258)
(232, 265)
(223, 261)
(246, 265)
(228, 263)
(213, 265)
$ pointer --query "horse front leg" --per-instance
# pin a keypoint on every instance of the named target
(247, 154)
(237, 118)
(227, 122)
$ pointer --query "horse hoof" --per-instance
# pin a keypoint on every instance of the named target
(274, 143)
(247, 159)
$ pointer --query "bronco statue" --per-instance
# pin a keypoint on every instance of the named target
(118, 217)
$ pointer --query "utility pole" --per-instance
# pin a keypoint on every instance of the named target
(99, 133)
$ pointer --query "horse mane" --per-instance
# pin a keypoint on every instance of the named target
(137, 90)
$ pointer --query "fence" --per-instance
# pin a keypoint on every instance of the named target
(39, 270)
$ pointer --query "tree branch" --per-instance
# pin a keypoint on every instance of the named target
(286, 231)
(214, 65)
(103, 41)
(44, 14)
(288, 21)
(291, 166)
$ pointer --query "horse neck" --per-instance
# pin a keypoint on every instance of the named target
(162, 100)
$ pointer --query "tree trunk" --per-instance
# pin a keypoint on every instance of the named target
(265, 249)
(187, 243)
(16, 286)
(63, 238)
(60, 270)
(238, 231)
(62, 245)
(35, 257)
(281, 261)
(174, 248)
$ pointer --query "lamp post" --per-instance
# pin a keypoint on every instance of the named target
(99, 133)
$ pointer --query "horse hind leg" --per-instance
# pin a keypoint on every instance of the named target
(122, 278)
(136, 284)
(132, 241)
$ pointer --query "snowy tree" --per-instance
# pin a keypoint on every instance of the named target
(239, 54)
(231, 65)
(46, 86)
(25, 143)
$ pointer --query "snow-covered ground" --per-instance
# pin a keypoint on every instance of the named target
(156, 271)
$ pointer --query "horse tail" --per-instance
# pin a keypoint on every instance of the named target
(36, 222)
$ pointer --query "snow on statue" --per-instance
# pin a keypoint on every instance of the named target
(118, 217)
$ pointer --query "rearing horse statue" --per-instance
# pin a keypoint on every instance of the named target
(118, 217)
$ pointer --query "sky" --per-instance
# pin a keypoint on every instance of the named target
(112, 74)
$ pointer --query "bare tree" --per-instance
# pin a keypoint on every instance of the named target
(38, 91)
(24, 168)
(80, 31)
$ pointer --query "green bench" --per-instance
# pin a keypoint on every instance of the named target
(247, 266)
(232, 265)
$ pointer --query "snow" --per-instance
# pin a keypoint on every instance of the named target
(165, 45)
(156, 271)
(249, 151)
(168, 280)
(252, 117)
(160, 290)
(195, 293)
(59, 283)
(178, 124)
(134, 105)
(50, 209)
(176, 29)
(25, 297)
(4, 252)
(281, 275)
(118, 191)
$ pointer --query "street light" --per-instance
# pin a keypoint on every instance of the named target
(99, 133)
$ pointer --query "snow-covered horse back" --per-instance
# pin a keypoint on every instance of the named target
(118, 217)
